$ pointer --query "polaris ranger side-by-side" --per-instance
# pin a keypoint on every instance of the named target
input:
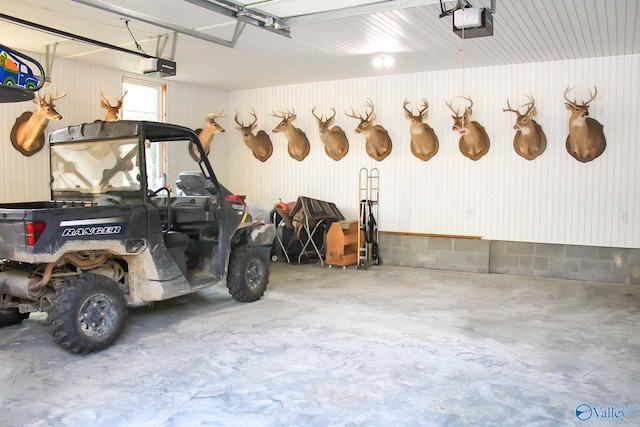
(105, 238)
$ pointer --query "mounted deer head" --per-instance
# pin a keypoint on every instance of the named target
(586, 140)
(378, 143)
(424, 142)
(206, 135)
(474, 141)
(529, 140)
(260, 144)
(27, 134)
(297, 142)
(113, 111)
(336, 144)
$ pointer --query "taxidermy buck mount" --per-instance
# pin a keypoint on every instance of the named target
(474, 141)
(260, 143)
(424, 142)
(27, 134)
(586, 140)
(529, 141)
(336, 144)
(297, 142)
(378, 143)
(206, 135)
(113, 111)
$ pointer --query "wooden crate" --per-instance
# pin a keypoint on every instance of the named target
(342, 243)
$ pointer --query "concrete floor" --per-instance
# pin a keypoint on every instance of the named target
(389, 346)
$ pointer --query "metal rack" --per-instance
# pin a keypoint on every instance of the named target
(368, 196)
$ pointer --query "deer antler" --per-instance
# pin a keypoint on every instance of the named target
(592, 96)
(255, 118)
(56, 96)
(106, 101)
(456, 112)
(313, 111)
(468, 99)
(404, 106)
(321, 118)
(421, 111)
(509, 108)
(237, 120)
(241, 124)
(468, 110)
(369, 104)
(353, 115)
(280, 115)
(212, 115)
(39, 97)
(425, 107)
(572, 103)
(531, 104)
(284, 115)
(104, 98)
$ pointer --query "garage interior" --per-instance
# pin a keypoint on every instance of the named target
(507, 288)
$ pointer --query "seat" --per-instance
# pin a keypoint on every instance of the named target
(194, 184)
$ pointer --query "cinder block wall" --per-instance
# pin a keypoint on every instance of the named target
(443, 253)
(596, 264)
(592, 263)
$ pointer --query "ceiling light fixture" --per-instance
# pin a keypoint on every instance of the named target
(382, 60)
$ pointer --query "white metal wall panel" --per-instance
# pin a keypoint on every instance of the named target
(552, 199)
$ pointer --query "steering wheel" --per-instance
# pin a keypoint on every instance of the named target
(155, 192)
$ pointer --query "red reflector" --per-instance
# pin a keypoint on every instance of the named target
(33, 231)
(234, 198)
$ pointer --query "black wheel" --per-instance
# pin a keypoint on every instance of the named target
(87, 313)
(11, 316)
(248, 274)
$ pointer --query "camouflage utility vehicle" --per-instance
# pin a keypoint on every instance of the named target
(105, 238)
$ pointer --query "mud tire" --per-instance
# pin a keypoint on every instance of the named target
(88, 313)
(248, 273)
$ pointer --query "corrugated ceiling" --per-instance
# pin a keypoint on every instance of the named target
(524, 31)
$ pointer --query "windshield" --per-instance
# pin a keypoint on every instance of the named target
(96, 167)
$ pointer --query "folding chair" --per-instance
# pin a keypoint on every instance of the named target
(310, 215)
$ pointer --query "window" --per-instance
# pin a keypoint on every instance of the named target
(145, 101)
(95, 167)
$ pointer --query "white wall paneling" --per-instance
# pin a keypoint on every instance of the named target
(552, 199)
